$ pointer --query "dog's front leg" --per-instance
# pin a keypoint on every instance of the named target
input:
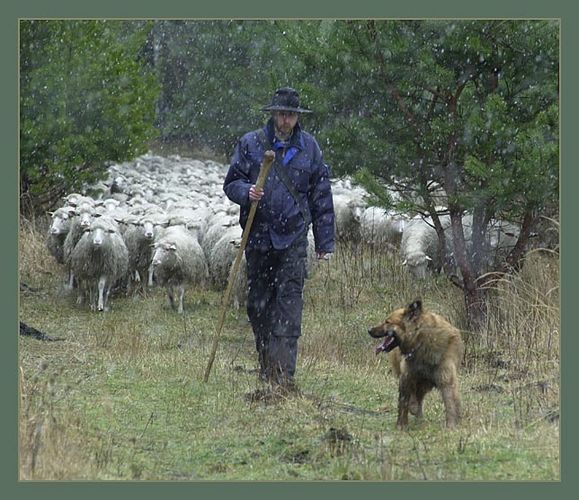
(404, 393)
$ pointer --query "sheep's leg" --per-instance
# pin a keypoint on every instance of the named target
(91, 298)
(181, 295)
(170, 297)
(70, 284)
(102, 293)
(150, 282)
(107, 292)
(130, 285)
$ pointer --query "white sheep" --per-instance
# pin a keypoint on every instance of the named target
(348, 209)
(83, 217)
(178, 259)
(98, 261)
(381, 229)
(419, 246)
(139, 238)
(223, 254)
(215, 227)
(59, 228)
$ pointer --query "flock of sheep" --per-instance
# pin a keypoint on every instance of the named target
(166, 222)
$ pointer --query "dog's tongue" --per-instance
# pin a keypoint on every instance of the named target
(384, 345)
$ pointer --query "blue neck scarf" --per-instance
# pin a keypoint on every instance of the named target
(289, 153)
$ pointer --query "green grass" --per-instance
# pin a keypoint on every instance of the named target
(123, 397)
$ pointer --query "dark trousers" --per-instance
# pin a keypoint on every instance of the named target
(274, 307)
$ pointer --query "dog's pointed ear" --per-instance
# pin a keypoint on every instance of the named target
(413, 310)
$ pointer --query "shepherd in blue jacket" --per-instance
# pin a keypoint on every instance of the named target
(296, 193)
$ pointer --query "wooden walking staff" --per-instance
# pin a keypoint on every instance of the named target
(264, 170)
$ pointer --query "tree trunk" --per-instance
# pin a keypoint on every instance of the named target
(514, 259)
(478, 246)
(475, 300)
(474, 297)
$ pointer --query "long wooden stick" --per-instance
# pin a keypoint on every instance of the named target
(263, 172)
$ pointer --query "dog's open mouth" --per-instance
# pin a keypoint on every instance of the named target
(389, 343)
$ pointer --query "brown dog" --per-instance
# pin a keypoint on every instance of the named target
(429, 353)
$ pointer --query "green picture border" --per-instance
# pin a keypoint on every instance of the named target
(16, 10)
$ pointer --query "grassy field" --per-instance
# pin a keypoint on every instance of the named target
(122, 396)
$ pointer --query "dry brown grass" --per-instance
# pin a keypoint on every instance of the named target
(34, 260)
(50, 441)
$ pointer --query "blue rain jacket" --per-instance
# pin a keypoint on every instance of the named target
(278, 219)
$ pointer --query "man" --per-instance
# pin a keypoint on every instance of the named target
(296, 192)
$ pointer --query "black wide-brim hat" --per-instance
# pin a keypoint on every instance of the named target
(286, 99)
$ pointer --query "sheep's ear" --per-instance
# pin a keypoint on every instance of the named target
(405, 262)
(428, 258)
(414, 310)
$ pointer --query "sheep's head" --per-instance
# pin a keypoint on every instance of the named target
(61, 220)
(148, 229)
(164, 251)
(100, 234)
(417, 264)
(100, 231)
(85, 217)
